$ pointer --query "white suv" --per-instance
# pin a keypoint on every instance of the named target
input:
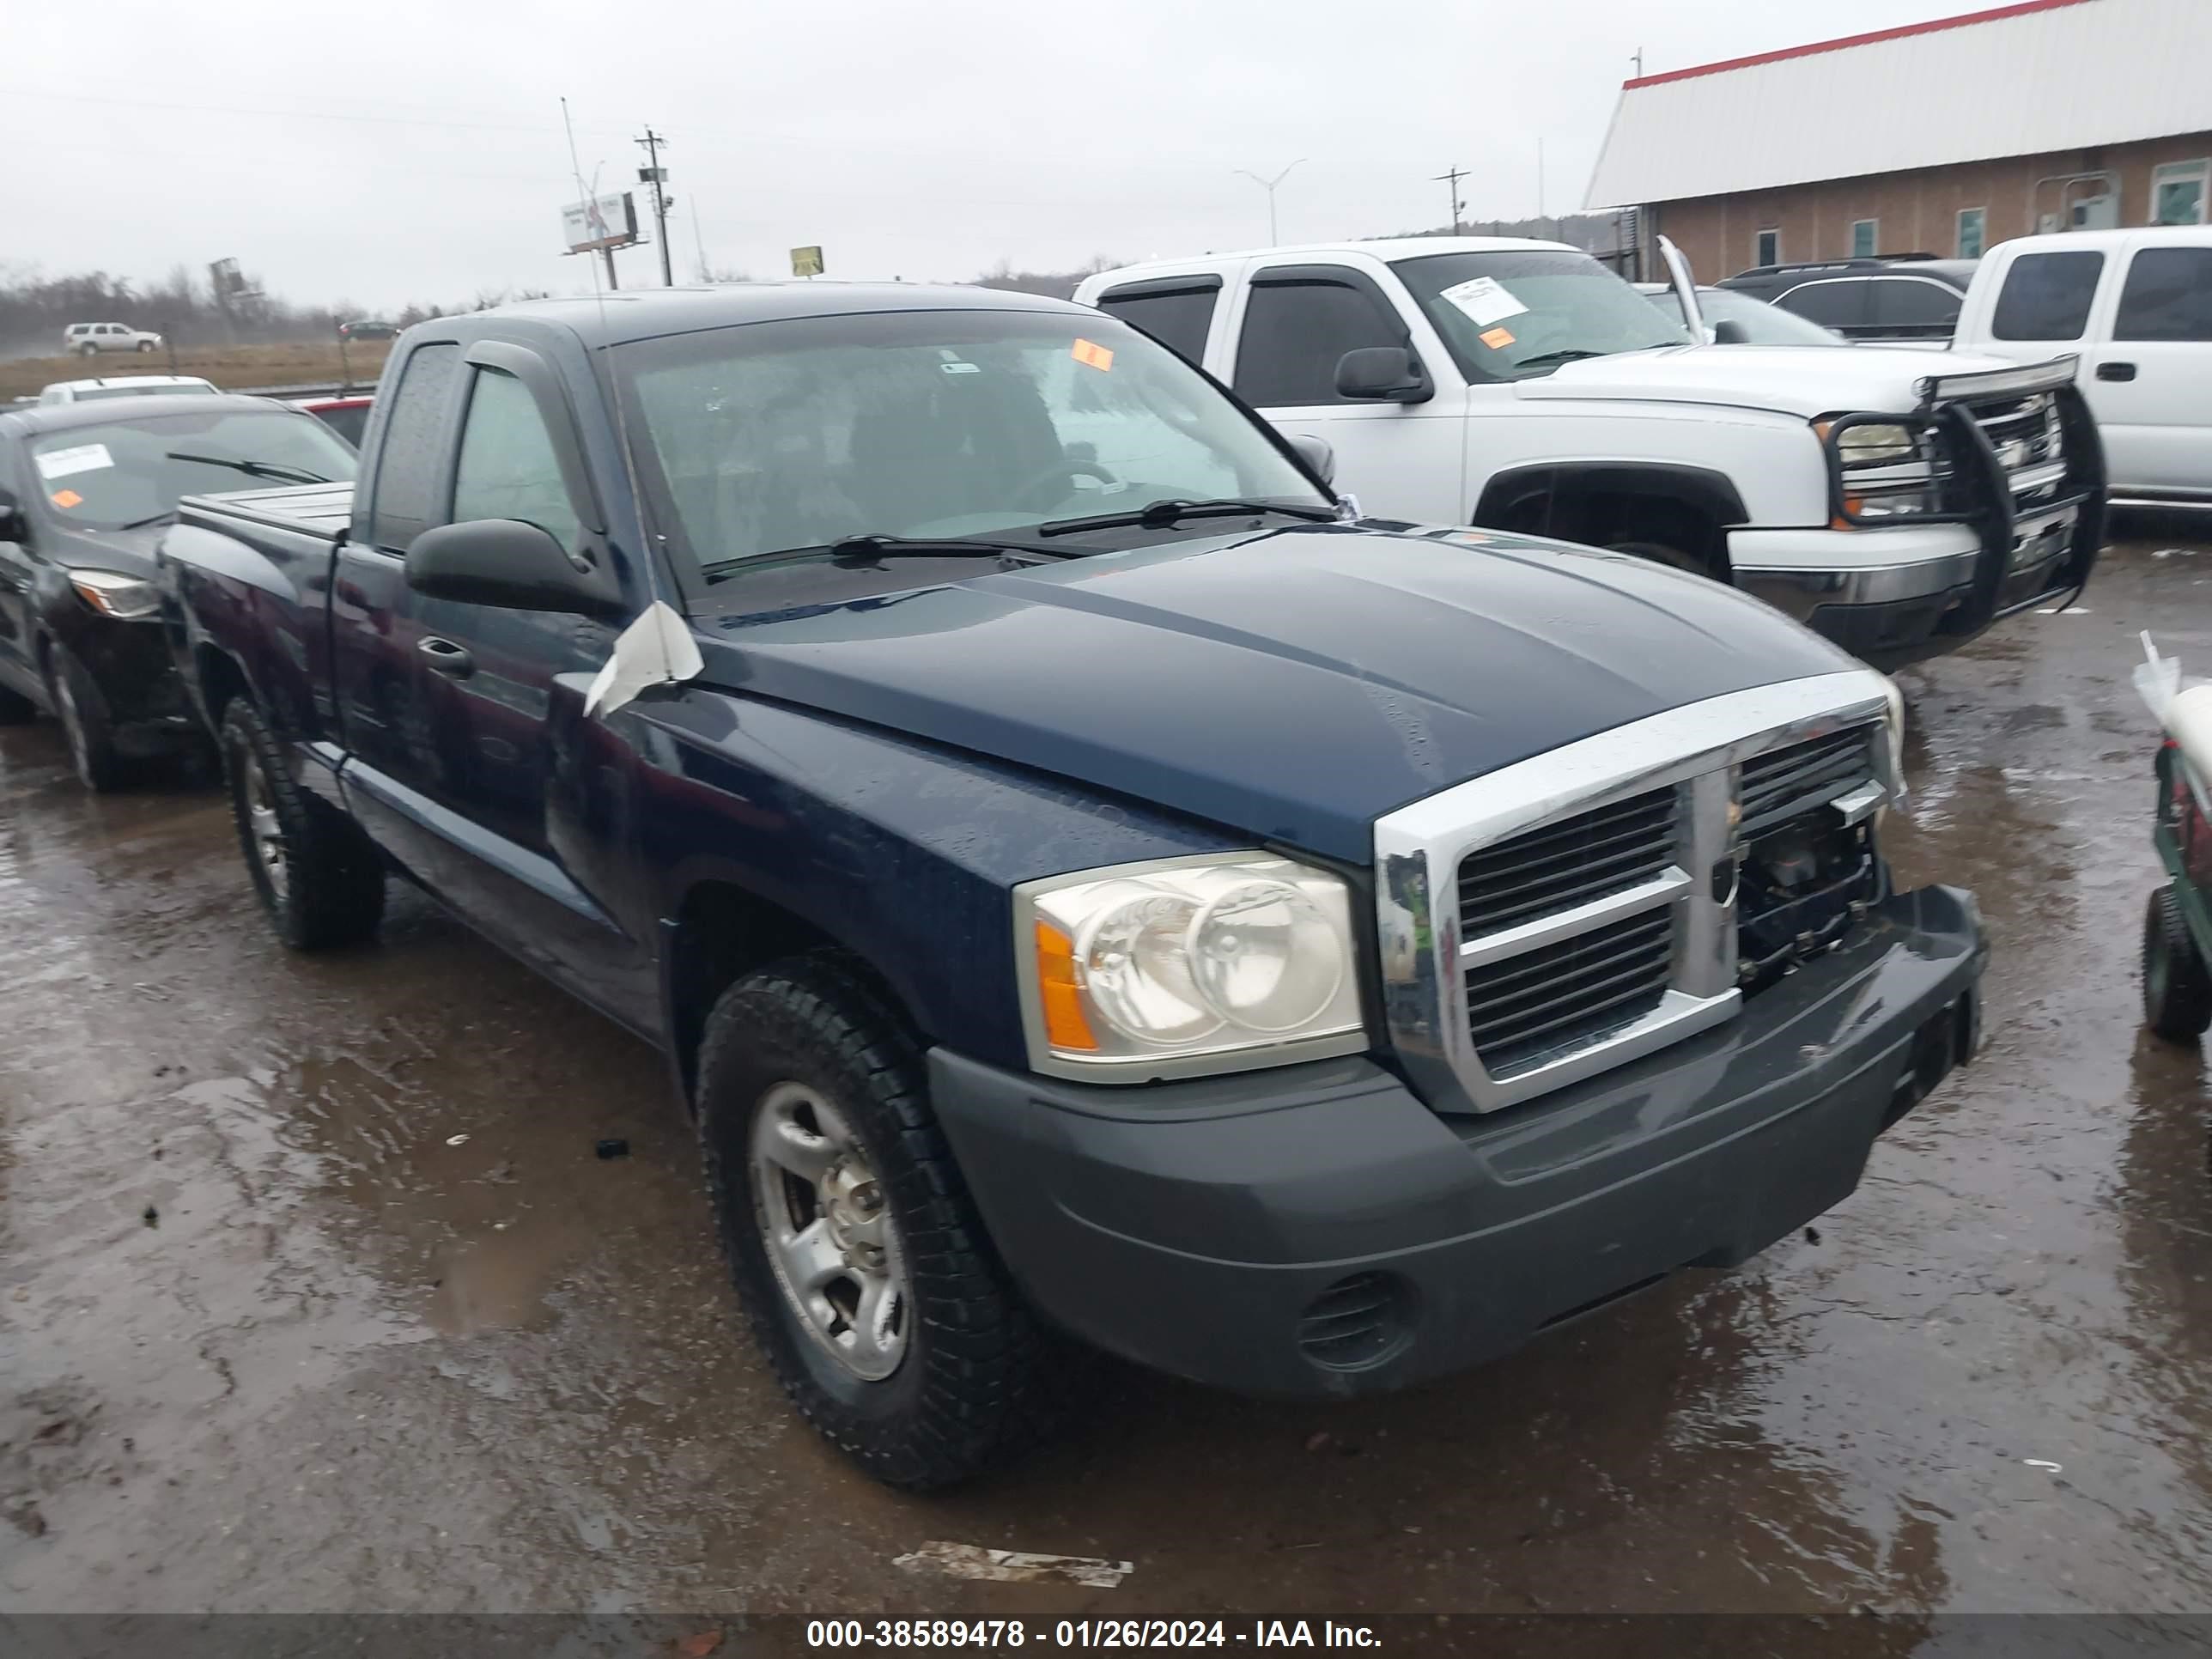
(1899, 502)
(90, 339)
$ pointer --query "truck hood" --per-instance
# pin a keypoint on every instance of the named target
(1808, 381)
(126, 552)
(1291, 685)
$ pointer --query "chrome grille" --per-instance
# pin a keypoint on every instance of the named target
(1555, 868)
(2030, 442)
(1528, 1009)
(1573, 912)
(1783, 782)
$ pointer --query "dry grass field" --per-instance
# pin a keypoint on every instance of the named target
(228, 367)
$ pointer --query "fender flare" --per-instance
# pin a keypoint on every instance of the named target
(1527, 498)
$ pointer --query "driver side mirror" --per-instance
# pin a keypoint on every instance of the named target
(504, 562)
(1729, 332)
(14, 526)
(1390, 374)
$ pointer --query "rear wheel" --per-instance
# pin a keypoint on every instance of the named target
(87, 349)
(862, 1262)
(2177, 990)
(84, 716)
(316, 874)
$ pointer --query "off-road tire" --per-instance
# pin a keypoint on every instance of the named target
(969, 1392)
(2177, 990)
(83, 712)
(332, 889)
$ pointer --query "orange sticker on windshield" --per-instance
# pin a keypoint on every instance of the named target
(1497, 338)
(67, 498)
(1096, 356)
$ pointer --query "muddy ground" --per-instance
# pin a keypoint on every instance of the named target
(314, 1296)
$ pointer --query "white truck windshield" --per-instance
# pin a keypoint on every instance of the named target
(1512, 316)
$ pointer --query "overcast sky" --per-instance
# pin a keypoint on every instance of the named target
(407, 150)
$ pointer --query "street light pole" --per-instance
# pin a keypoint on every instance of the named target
(1268, 185)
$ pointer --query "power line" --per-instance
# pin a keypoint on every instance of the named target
(539, 129)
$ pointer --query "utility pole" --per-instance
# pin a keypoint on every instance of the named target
(1540, 178)
(656, 175)
(1638, 60)
(1268, 185)
(1452, 179)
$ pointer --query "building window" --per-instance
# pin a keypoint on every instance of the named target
(1766, 248)
(2177, 191)
(1970, 221)
(1863, 238)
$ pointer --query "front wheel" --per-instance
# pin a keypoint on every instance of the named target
(84, 716)
(2177, 989)
(860, 1260)
(145, 345)
(314, 871)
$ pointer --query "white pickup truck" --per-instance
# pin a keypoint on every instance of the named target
(1897, 500)
(2137, 305)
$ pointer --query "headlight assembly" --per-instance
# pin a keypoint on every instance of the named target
(1186, 966)
(1882, 469)
(125, 598)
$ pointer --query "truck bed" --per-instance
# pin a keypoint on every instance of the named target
(321, 510)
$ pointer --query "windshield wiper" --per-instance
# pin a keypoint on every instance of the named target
(276, 470)
(1553, 359)
(140, 524)
(1160, 515)
(859, 551)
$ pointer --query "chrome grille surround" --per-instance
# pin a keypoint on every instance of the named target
(1697, 750)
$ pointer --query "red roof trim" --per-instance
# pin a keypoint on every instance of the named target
(2020, 9)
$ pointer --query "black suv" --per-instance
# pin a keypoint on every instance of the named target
(1905, 296)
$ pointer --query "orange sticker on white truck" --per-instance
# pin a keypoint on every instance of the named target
(1092, 355)
(1497, 338)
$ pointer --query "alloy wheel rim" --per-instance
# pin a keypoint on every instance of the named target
(825, 1220)
(72, 720)
(262, 824)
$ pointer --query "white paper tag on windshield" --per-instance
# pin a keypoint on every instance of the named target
(85, 458)
(1484, 301)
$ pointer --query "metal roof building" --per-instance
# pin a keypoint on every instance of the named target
(1943, 136)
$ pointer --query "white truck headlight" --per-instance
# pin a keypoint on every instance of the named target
(1883, 470)
(1184, 966)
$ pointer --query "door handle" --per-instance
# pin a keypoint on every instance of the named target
(2116, 371)
(447, 658)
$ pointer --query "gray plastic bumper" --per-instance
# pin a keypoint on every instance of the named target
(1317, 1230)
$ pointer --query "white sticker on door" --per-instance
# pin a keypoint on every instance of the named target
(1484, 301)
(84, 458)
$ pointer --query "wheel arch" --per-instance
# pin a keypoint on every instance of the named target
(722, 929)
(1592, 502)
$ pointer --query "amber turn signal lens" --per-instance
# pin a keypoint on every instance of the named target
(1066, 1026)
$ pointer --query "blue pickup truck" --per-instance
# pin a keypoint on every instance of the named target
(1086, 882)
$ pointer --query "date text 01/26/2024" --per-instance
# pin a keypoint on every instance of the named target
(1087, 1633)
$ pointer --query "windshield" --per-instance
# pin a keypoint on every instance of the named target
(1763, 323)
(1515, 316)
(128, 469)
(768, 437)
